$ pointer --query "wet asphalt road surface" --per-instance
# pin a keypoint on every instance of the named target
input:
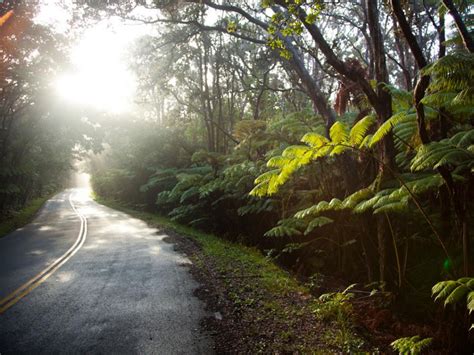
(125, 291)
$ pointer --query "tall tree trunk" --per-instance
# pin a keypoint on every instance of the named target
(384, 112)
(461, 26)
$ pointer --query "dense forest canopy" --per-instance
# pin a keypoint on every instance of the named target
(335, 136)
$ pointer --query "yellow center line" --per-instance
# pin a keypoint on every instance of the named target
(26, 288)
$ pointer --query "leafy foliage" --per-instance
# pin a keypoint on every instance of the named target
(243, 145)
(454, 292)
(411, 345)
(40, 136)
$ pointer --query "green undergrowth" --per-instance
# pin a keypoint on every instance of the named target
(22, 217)
(273, 311)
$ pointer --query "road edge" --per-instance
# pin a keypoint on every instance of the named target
(257, 306)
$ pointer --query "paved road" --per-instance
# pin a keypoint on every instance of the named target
(123, 291)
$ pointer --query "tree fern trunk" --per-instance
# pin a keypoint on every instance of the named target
(382, 243)
(465, 234)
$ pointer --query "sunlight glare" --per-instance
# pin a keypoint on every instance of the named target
(100, 78)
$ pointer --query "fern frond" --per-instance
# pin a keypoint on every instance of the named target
(404, 133)
(388, 125)
(260, 190)
(256, 206)
(191, 192)
(317, 222)
(338, 132)
(443, 289)
(401, 99)
(296, 151)
(338, 149)
(286, 227)
(359, 130)
(436, 154)
(470, 302)
(392, 206)
(278, 161)
(352, 200)
(365, 205)
(267, 176)
(314, 140)
(315, 209)
(411, 345)
(463, 139)
(457, 295)
(366, 141)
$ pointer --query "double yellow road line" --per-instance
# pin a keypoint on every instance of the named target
(29, 286)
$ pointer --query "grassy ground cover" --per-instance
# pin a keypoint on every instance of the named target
(22, 217)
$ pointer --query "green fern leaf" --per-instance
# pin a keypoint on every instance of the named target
(278, 162)
(260, 190)
(366, 141)
(338, 149)
(309, 211)
(193, 191)
(455, 157)
(470, 302)
(387, 126)
(463, 139)
(296, 151)
(267, 176)
(456, 295)
(314, 140)
(365, 205)
(317, 222)
(282, 231)
(438, 287)
(321, 206)
(436, 154)
(445, 291)
(411, 345)
(335, 204)
(359, 131)
(362, 194)
(397, 206)
(338, 132)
